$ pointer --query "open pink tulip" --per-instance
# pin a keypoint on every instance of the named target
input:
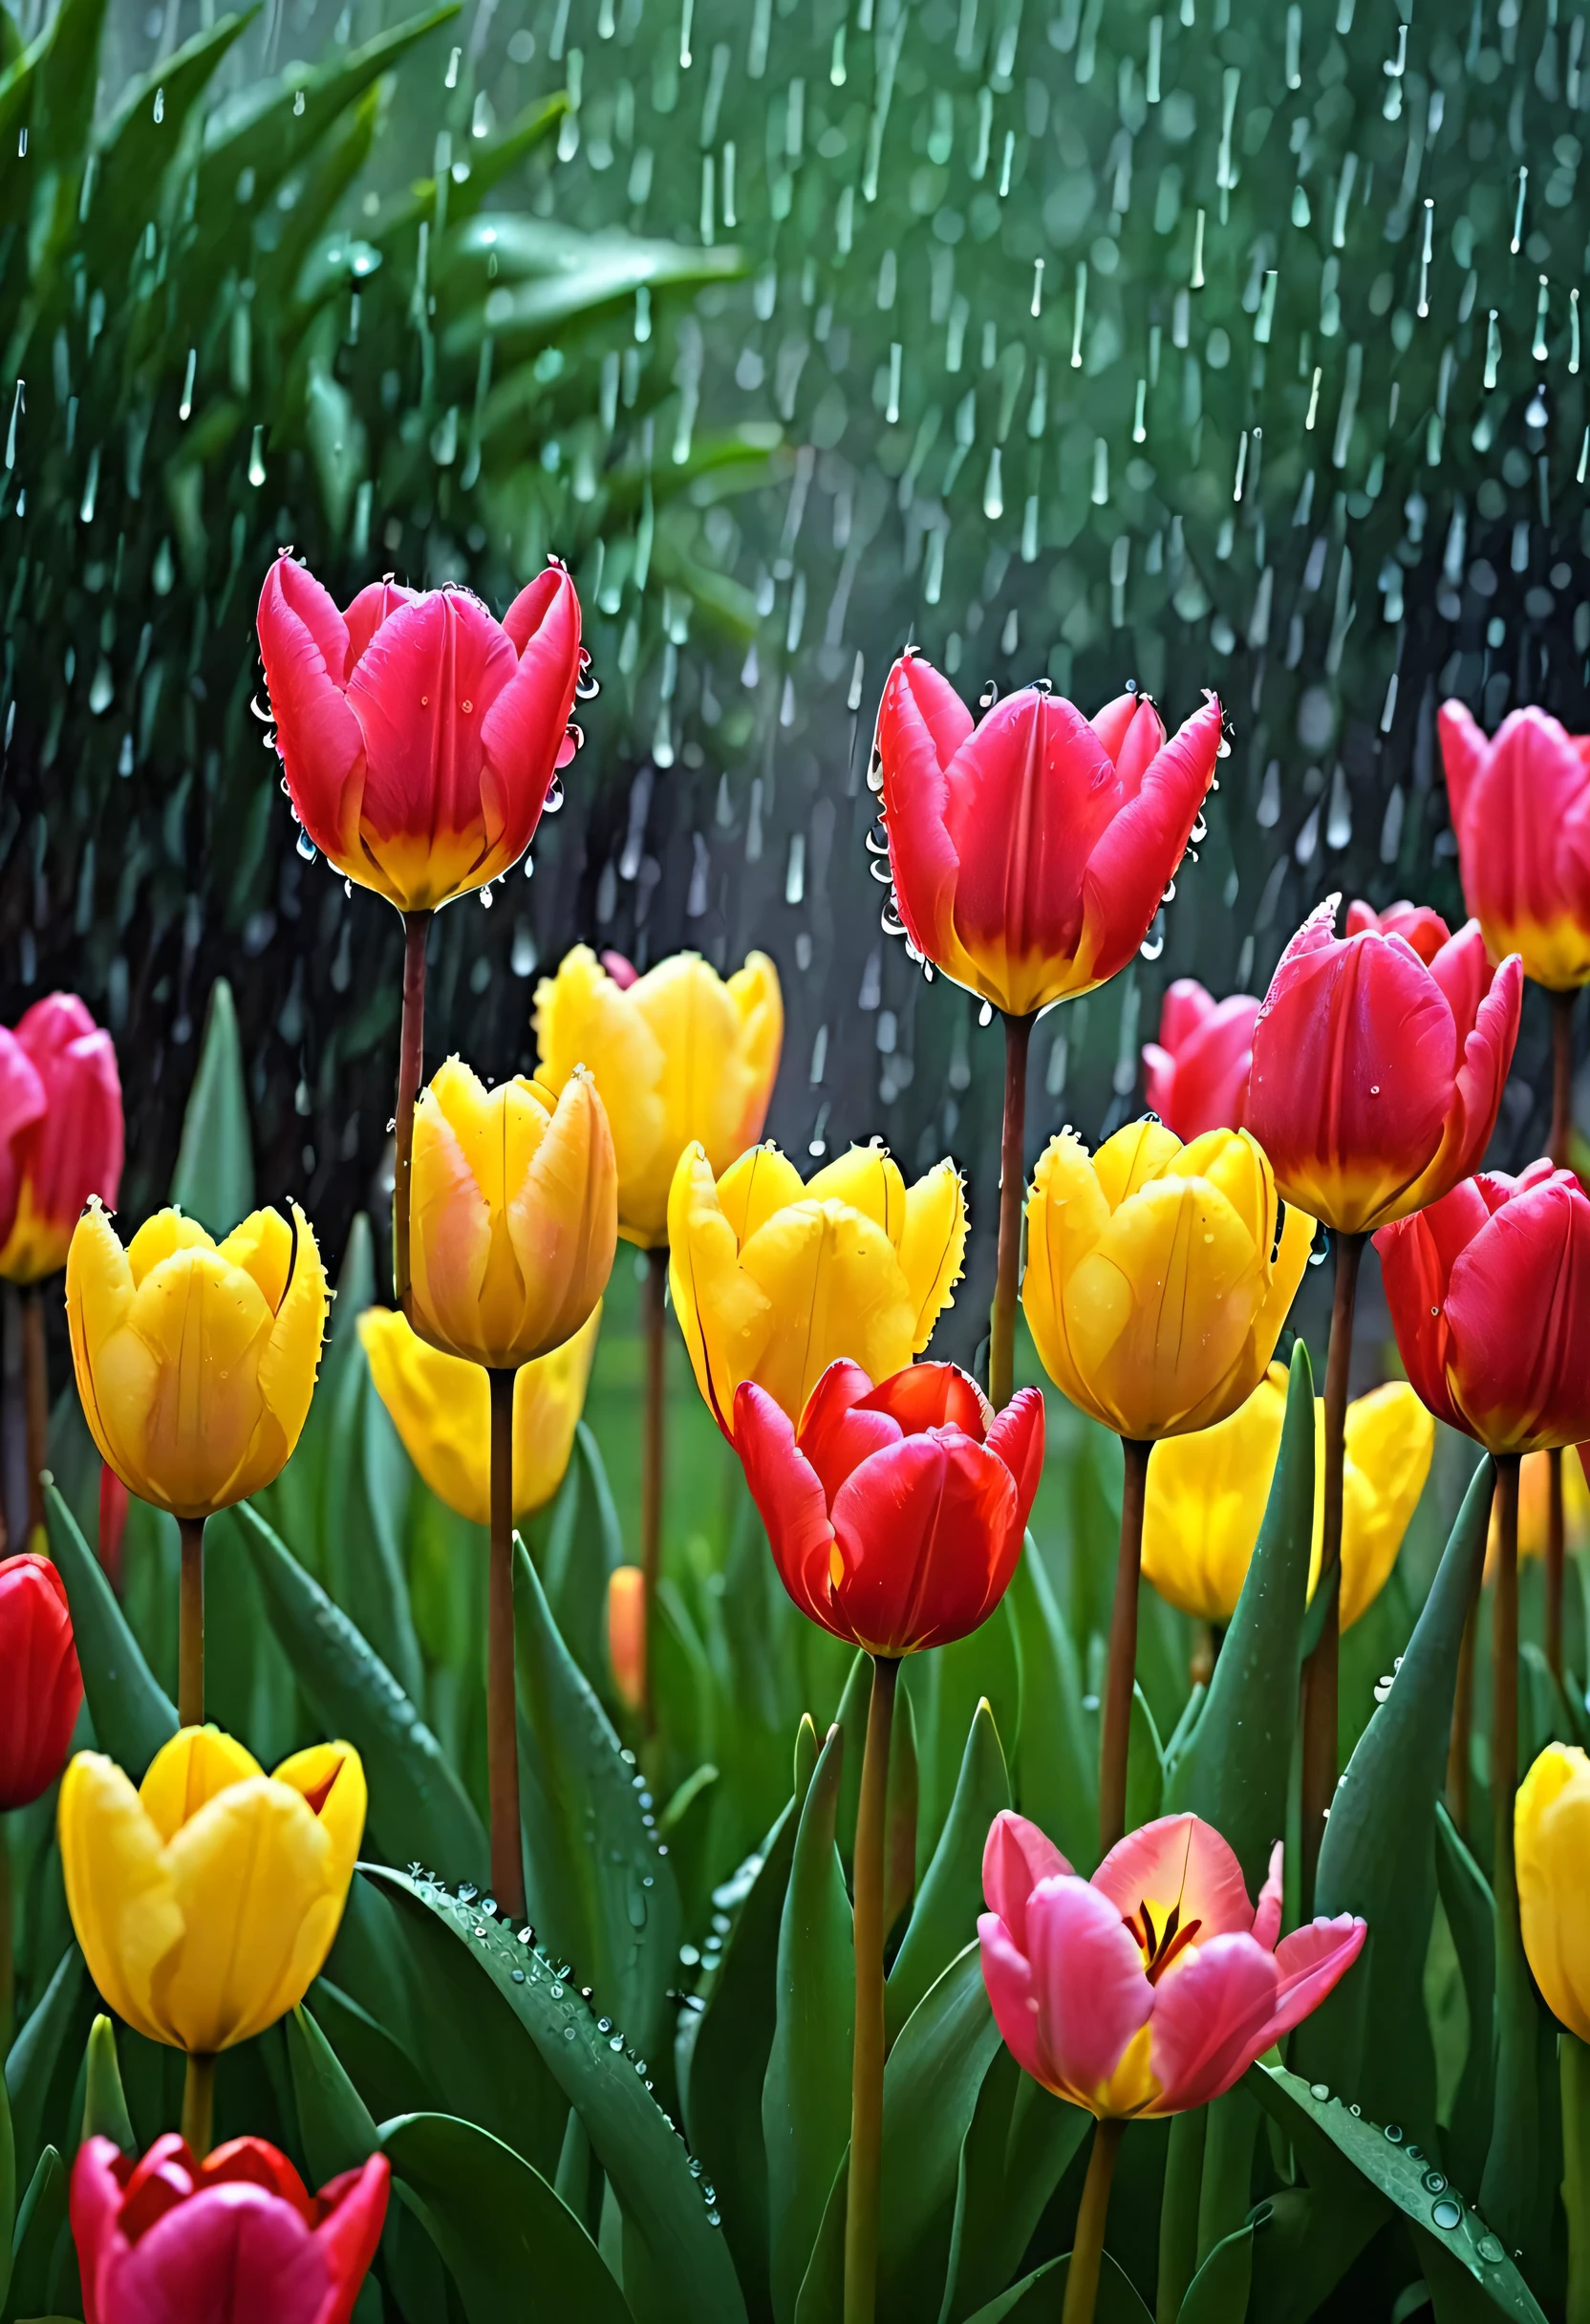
(1152, 1988)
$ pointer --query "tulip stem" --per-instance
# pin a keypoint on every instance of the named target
(1557, 1543)
(35, 1375)
(1321, 1669)
(861, 2215)
(501, 1717)
(199, 2104)
(654, 1293)
(1574, 2069)
(190, 1625)
(1115, 1727)
(7, 1973)
(1511, 2163)
(411, 1069)
(1013, 1179)
(1088, 2250)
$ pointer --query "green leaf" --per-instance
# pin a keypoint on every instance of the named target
(1371, 2037)
(734, 2040)
(822, 2295)
(418, 1810)
(338, 2128)
(1014, 2155)
(691, 2276)
(1311, 2238)
(1471, 1916)
(8, 2190)
(132, 1713)
(105, 2112)
(805, 2104)
(1057, 1776)
(385, 2077)
(516, 2250)
(214, 1178)
(1041, 2297)
(583, 1542)
(930, 2093)
(44, 2056)
(40, 2224)
(903, 1795)
(1145, 1764)
(950, 1896)
(1404, 2174)
(612, 1908)
(365, 1496)
(1218, 2294)
(946, 1686)
(549, 275)
(1233, 1771)
(136, 150)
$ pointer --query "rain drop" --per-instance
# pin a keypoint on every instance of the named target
(306, 846)
(1447, 2213)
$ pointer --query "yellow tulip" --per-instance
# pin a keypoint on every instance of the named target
(1159, 1275)
(1206, 1494)
(677, 1055)
(1551, 1833)
(205, 1901)
(441, 1407)
(1535, 1508)
(772, 1280)
(514, 1215)
(195, 1361)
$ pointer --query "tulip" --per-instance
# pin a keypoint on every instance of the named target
(1520, 806)
(679, 1056)
(1196, 1073)
(773, 1280)
(441, 1408)
(1029, 855)
(1552, 1835)
(420, 736)
(41, 1687)
(1534, 1512)
(205, 1901)
(60, 1132)
(1147, 1991)
(627, 1633)
(1207, 1495)
(895, 1513)
(1415, 923)
(1158, 1279)
(515, 1215)
(895, 1516)
(233, 2239)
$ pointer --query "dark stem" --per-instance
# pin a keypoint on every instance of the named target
(411, 1069)
(1088, 2249)
(199, 2104)
(652, 1328)
(501, 1718)
(1562, 1145)
(1511, 2163)
(1557, 1543)
(1115, 1727)
(1459, 1751)
(860, 2214)
(1013, 1180)
(1574, 2069)
(7, 1974)
(35, 1373)
(1320, 1670)
(190, 1625)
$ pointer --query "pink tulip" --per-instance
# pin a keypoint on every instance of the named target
(1196, 1072)
(1152, 1988)
(1415, 923)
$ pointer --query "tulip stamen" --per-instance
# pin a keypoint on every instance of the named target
(1160, 1947)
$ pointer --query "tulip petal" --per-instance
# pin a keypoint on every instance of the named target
(1552, 1825)
(304, 642)
(232, 2244)
(289, 1362)
(1524, 1391)
(561, 1214)
(755, 1188)
(1485, 1060)
(331, 1777)
(838, 1429)
(124, 1901)
(1310, 1962)
(1463, 753)
(931, 1245)
(922, 723)
(932, 1396)
(1009, 1981)
(1015, 1437)
(788, 1492)
(1267, 1918)
(22, 1104)
(523, 730)
(1415, 1280)
(926, 1542)
(423, 749)
(350, 2234)
(1212, 2009)
(1197, 1075)
(449, 1232)
(1206, 1494)
(1136, 856)
(756, 996)
(192, 1769)
(1093, 1996)
(1178, 1863)
(1389, 1444)
(162, 1238)
(261, 1246)
(867, 1179)
(1016, 1856)
(376, 602)
(725, 1316)
(585, 1016)
(206, 1325)
(836, 1271)
(99, 1296)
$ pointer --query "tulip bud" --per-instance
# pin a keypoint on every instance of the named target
(678, 1055)
(1551, 1824)
(773, 1280)
(1196, 1076)
(60, 1132)
(417, 735)
(1521, 805)
(515, 1214)
(441, 1408)
(1159, 1275)
(230, 2240)
(626, 1632)
(205, 1901)
(196, 1361)
(41, 1687)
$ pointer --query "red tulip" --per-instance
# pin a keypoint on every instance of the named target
(1489, 1299)
(419, 735)
(1196, 1072)
(1521, 812)
(1376, 1079)
(236, 2239)
(41, 1686)
(1424, 929)
(1030, 853)
(62, 1132)
(896, 1514)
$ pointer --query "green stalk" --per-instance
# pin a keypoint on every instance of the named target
(190, 1625)
(1087, 2251)
(1573, 2068)
(1178, 2212)
(199, 2104)
(860, 2214)
(1121, 1671)
(1013, 1180)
